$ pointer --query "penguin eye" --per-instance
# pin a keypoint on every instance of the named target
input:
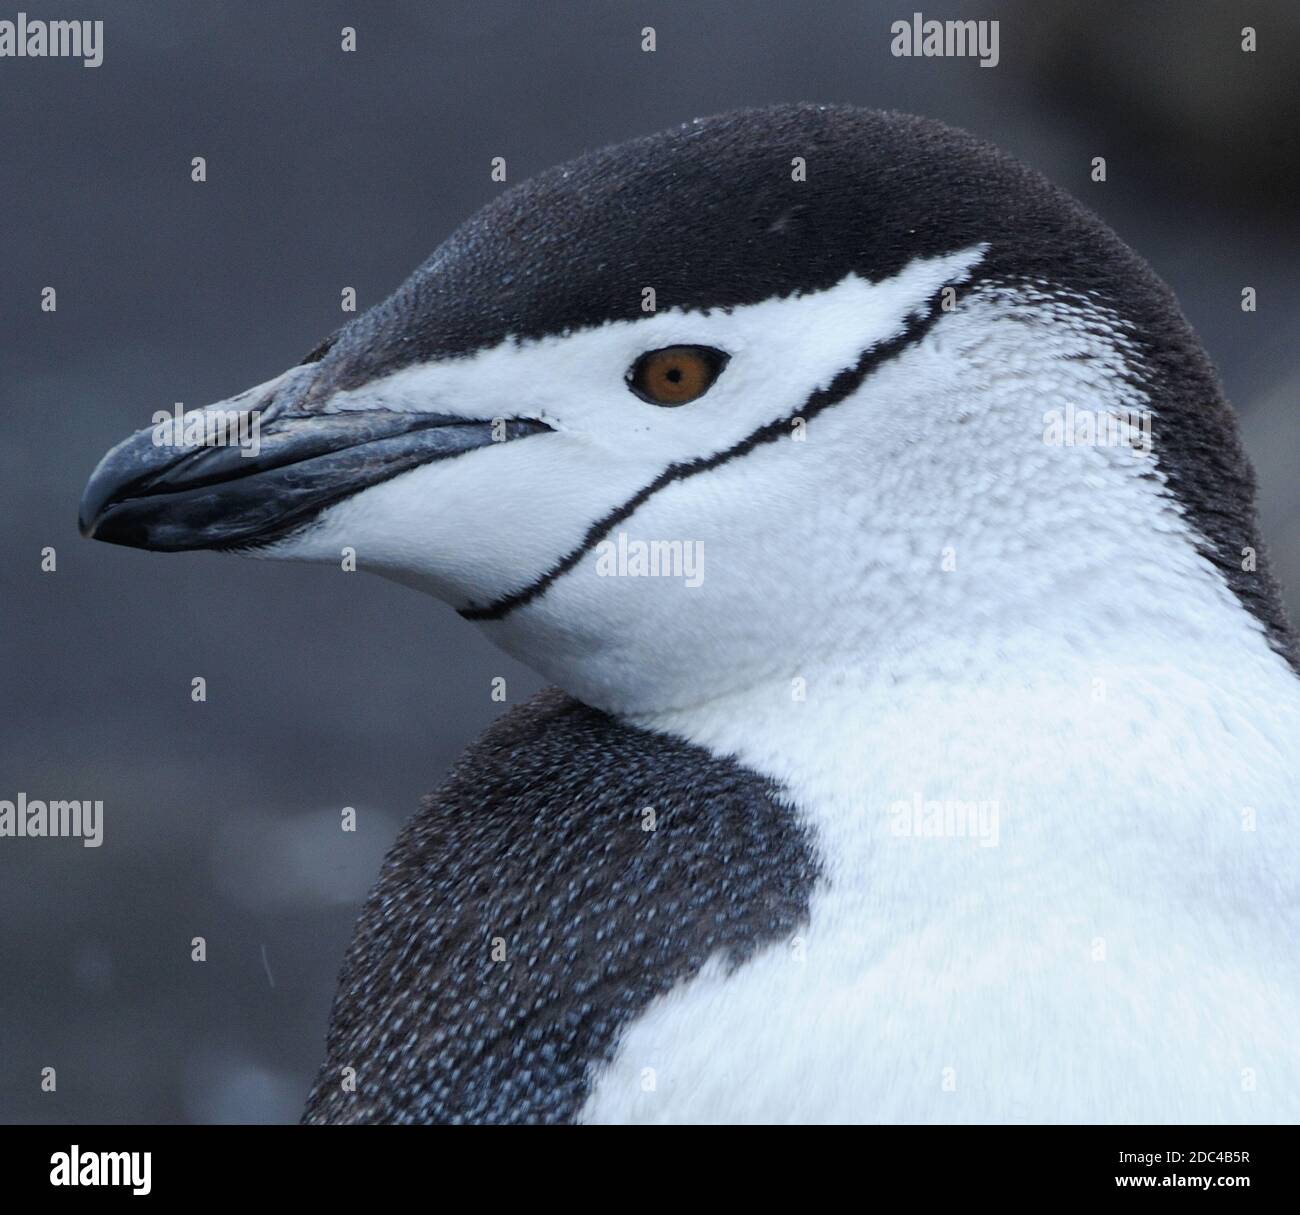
(675, 374)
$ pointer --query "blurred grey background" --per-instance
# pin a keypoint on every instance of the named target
(328, 170)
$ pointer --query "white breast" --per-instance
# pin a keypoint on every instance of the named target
(1120, 944)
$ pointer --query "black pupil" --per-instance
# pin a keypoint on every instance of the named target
(673, 374)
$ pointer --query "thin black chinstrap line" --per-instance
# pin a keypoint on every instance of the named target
(843, 385)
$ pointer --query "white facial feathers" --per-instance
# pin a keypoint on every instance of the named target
(488, 523)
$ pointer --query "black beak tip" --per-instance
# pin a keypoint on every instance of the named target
(108, 510)
(93, 498)
(95, 508)
(105, 512)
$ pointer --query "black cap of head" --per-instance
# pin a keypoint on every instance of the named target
(711, 215)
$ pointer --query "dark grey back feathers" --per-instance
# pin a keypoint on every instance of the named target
(537, 842)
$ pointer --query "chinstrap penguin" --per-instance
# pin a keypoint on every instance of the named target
(958, 788)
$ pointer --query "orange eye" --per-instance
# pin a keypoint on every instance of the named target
(675, 374)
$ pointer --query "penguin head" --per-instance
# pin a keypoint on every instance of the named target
(673, 414)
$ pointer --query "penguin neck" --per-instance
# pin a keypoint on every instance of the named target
(1042, 686)
(1138, 745)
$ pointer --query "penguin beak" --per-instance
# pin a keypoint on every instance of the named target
(250, 470)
